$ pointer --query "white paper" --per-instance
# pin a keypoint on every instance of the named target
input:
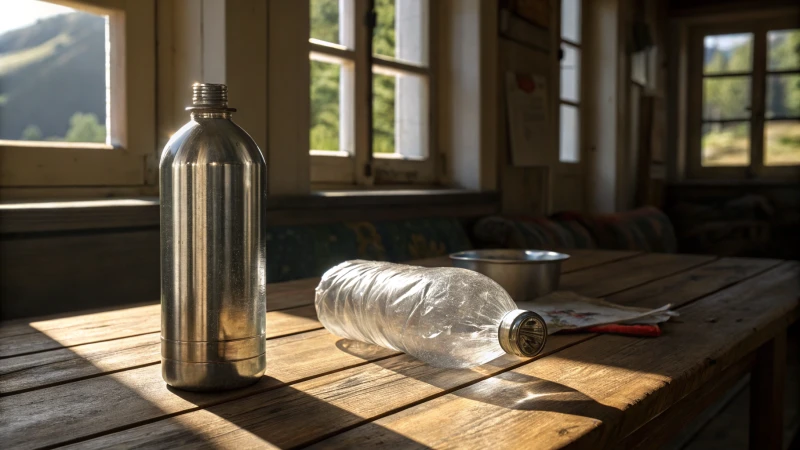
(528, 118)
(563, 310)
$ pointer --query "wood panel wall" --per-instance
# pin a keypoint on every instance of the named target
(65, 258)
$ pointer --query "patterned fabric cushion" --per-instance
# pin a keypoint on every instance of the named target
(309, 250)
(531, 233)
(646, 229)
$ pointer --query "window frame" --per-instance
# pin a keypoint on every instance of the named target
(131, 157)
(575, 167)
(339, 169)
(756, 169)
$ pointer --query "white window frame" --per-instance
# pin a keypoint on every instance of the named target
(130, 158)
(569, 166)
(337, 169)
(694, 99)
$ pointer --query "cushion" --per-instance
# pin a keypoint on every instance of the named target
(531, 233)
(645, 229)
(303, 251)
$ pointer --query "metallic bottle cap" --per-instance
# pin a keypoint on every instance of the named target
(522, 333)
(209, 96)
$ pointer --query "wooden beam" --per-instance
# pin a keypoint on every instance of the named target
(767, 384)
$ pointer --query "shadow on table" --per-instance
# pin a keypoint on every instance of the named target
(284, 416)
(66, 412)
(137, 404)
(510, 390)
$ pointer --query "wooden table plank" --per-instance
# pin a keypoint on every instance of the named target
(592, 395)
(663, 428)
(624, 274)
(96, 405)
(142, 395)
(43, 368)
(585, 258)
(23, 336)
(391, 383)
(37, 336)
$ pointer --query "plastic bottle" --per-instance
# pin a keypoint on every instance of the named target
(446, 317)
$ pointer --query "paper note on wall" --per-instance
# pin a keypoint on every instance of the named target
(528, 118)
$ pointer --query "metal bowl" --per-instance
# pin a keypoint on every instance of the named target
(524, 274)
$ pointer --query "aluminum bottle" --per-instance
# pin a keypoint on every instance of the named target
(213, 250)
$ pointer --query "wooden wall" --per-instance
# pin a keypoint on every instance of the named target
(66, 258)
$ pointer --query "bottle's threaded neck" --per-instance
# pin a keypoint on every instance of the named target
(207, 95)
(522, 333)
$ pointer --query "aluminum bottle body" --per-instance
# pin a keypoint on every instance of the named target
(213, 256)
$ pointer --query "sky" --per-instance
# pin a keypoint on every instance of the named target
(19, 13)
(726, 41)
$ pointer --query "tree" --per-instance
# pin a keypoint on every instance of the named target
(728, 97)
(31, 133)
(383, 86)
(85, 128)
(325, 79)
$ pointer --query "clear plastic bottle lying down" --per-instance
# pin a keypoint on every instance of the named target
(446, 317)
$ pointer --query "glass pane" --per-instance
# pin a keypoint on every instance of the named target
(782, 143)
(401, 31)
(383, 42)
(726, 144)
(400, 114)
(784, 50)
(726, 98)
(783, 96)
(571, 20)
(726, 53)
(569, 150)
(325, 89)
(383, 96)
(324, 20)
(570, 73)
(639, 61)
(53, 74)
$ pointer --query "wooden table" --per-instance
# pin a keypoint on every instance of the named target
(93, 379)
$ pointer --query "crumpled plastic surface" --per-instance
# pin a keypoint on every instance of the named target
(446, 317)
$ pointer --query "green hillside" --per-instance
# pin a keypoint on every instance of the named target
(49, 72)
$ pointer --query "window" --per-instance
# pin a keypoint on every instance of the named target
(745, 101)
(570, 106)
(53, 83)
(396, 81)
(67, 103)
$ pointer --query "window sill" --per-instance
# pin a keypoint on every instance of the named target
(318, 207)
(737, 183)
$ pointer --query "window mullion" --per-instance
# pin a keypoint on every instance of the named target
(362, 98)
(758, 97)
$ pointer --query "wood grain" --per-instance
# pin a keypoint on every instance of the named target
(617, 276)
(298, 417)
(67, 329)
(142, 395)
(51, 273)
(583, 259)
(294, 415)
(591, 395)
(663, 428)
(24, 336)
(29, 371)
(136, 395)
(39, 369)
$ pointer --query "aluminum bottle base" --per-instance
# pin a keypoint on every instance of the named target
(213, 376)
